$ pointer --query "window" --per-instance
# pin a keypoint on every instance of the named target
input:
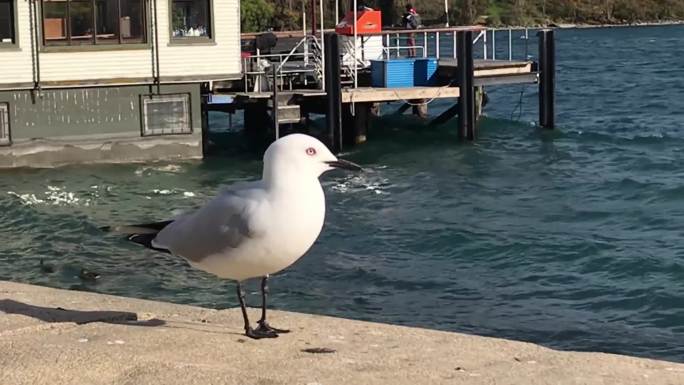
(4, 124)
(191, 20)
(166, 114)
(93, 22)
(7, 36)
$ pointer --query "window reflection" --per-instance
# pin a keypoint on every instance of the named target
(88, 22)
(6, 22)
(190, 18)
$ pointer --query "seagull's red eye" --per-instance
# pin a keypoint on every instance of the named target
(311, 151)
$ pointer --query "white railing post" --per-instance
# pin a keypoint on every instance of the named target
(437, 44)
(306, 46)
(425, 44)
(484, 45)
(510, 44)
(493, 44)
(322, 48)
(387, 47)
(453, 34)
(356, 37)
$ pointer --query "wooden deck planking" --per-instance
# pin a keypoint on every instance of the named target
(486, 64)
(487, 72)
(371, 94)
(489, 67)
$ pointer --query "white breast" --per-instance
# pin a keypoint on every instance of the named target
(294, 223)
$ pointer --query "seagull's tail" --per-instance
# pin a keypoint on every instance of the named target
(142, 234)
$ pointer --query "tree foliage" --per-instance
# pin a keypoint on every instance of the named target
(287, 14)
(255, 15)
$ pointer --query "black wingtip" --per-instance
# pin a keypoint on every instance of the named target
(146, 240)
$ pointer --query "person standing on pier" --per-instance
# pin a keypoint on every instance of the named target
(411, 21)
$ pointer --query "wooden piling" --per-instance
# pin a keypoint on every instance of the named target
(355, 126)
(547, 78)
(479, 102)
(274, 115)
(256, 121)
(420, 108)
(333, 92)
(465, 78)
(204, 109)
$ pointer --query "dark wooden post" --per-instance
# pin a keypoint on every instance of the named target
(355, 127)
(257, 122)
(465, 78)
(313, 17)
(333, 91)
(205, 93)
(274, 110)
(547, 78)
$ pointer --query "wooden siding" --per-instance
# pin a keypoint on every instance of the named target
(222, 58)
(16, 62)
(176, 61)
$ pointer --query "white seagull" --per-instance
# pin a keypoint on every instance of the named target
(253, 229)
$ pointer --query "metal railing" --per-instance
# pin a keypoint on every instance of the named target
(436, 42)
(318, 57)
(308, 55)
(524, 35)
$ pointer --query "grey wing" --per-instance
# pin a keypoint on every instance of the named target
(224, 223)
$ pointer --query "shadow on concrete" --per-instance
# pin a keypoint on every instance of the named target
(79, 317)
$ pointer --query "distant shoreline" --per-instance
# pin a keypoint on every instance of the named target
(617, 25)
(588, 26)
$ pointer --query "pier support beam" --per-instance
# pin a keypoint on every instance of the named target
(204, 92)
(480, 101)
(446, 115)
(465, 78)
(276, 103)
(356, 126)
(420, 108)
(333, 91)
(256, 121)
(547, 78)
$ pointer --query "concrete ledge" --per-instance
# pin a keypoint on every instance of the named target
(53, 153)
(99, 339)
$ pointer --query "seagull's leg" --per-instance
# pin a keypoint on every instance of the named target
(249, 332)
(263, 325)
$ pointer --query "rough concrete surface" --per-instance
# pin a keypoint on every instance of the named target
(50, 336)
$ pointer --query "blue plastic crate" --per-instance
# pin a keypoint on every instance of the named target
(425, 70)
(392, 73)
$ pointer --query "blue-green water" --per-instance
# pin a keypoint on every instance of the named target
(570, 238)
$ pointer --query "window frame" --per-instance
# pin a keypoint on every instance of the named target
(14, 45)
(7, 119)
(145, 99)
(94, 46)
(193, 40)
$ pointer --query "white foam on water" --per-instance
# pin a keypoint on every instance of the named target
(53, 196)
(162, 192)
(169, 168)
(27, 199)
(367, 181)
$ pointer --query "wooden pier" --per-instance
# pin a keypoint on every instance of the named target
(322, 81)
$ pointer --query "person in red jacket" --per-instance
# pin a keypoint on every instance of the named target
(411, 21)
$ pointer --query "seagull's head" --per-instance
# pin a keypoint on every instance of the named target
(302, 155)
